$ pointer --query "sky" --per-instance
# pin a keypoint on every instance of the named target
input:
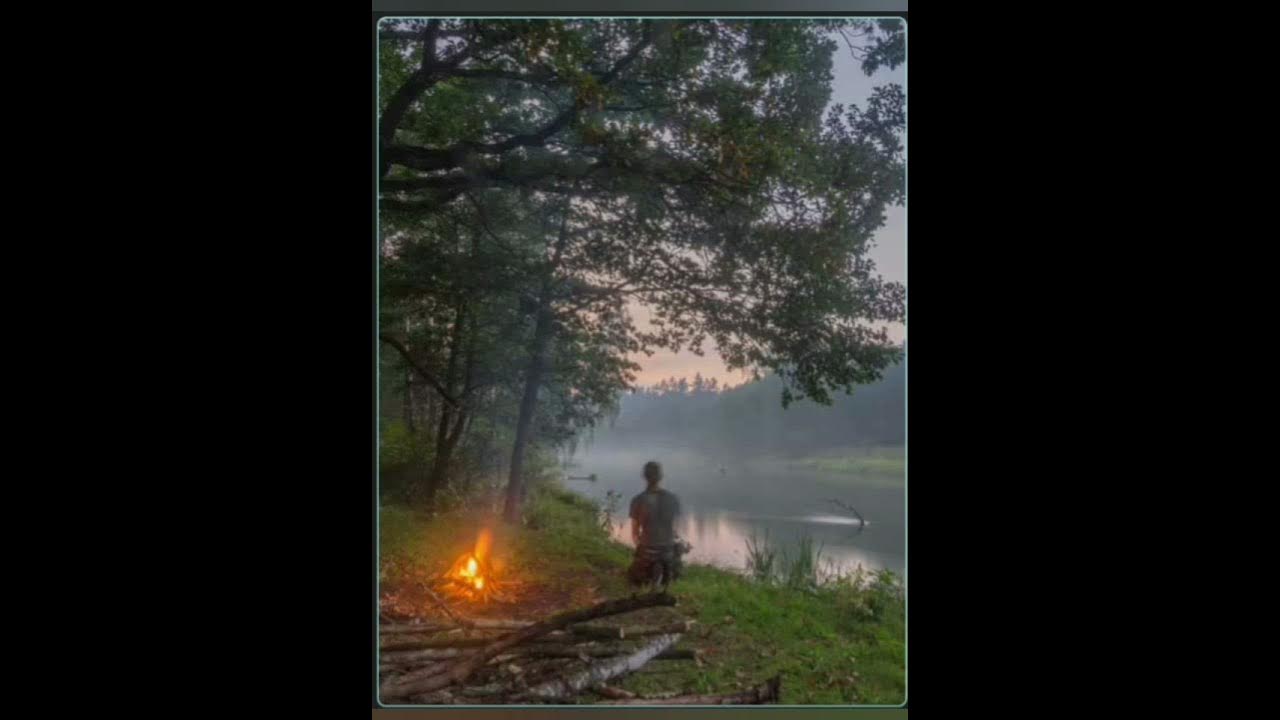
(849, 86)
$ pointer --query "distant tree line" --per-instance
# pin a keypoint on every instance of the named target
(749, 418)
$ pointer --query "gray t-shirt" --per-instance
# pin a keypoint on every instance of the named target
(654, 512)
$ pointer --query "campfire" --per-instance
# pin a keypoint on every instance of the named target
(471, 576)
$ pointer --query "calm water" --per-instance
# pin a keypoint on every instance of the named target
(720, 511)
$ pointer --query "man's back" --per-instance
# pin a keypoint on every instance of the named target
(654, 513)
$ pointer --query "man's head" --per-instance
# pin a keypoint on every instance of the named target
(652, 473)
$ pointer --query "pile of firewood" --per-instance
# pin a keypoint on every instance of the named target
(556, 660)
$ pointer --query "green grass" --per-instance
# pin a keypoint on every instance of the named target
(838, 643)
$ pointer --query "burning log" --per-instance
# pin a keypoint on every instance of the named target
(474, 661)
(762, 694)
(600, 672)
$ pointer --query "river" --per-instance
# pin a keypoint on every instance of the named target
(724, 500)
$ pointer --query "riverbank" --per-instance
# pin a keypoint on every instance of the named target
(841, 643)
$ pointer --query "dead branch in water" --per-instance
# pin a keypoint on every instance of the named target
(862, 523)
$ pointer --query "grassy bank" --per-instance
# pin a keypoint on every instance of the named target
(840, 643)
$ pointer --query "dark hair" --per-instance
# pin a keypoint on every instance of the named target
(652, 471)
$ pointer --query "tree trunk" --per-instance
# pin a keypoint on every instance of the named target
(532, 381)
(408, 389)
(445, 442)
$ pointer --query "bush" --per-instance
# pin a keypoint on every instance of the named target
(865, 596)
(403, 459)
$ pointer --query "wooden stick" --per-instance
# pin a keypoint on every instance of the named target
(477, 623)
(417, 656)
(601, 632)
(602, 671)
(457, 642)
(570, 651)
(440, 602)
(765, 693)
(475, 661)
(683, 626)
(612, 692)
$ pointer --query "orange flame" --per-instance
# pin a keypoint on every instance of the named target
(483, 543)
(469, 567)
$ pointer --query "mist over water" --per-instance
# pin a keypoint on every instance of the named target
(726, 496)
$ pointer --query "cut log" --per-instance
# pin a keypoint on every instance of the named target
(474, 661)
(762, 694)
(602, 671)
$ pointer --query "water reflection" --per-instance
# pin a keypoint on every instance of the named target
(720, 538)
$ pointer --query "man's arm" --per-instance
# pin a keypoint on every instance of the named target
(635, 521)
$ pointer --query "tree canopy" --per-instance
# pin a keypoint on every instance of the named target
(540, 177)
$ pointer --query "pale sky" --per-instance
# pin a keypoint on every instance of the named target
(850, 86)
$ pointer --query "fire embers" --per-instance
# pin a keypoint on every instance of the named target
(471, 577)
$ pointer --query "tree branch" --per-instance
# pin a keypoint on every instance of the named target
(399, 103)
(456, 155)
(417, 367)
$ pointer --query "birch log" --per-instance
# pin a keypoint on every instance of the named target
(602, 671)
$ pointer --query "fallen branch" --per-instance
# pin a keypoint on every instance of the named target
(478, 623)
(599, 632)
(456, 642)
(443, 607)
(683, 626)
(862, 523)
(680, 654)
(422, 674)
(571, 651)
(762, 694)
(415, 656)
(600, 672)
(613, 693)
(475, 661)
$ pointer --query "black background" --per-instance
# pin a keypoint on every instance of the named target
(296, 329)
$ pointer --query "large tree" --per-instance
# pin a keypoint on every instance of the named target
(686, 165)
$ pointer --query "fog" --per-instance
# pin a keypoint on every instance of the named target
(741, 464)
